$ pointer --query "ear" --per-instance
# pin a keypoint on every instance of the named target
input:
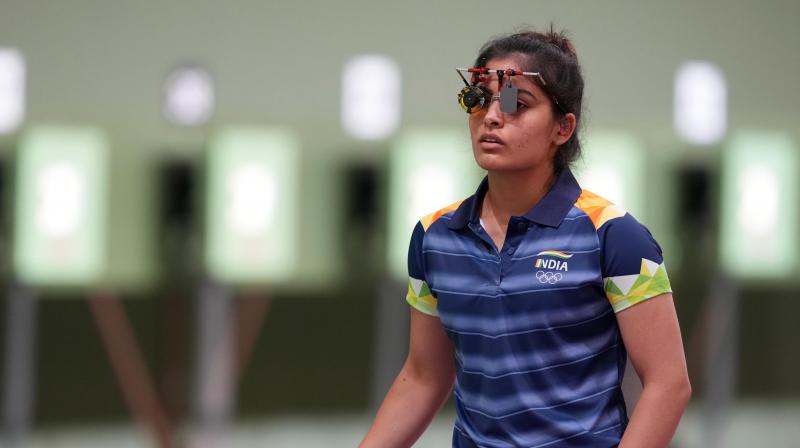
(566, 127)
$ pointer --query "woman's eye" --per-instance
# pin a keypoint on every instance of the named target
(521, 105)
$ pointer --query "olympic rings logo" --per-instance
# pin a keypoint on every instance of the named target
(549, 277)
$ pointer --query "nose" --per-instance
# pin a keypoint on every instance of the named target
(494, 117)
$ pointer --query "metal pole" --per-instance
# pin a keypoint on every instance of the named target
(214, 384)
(391, 338)
(20, 367)
(721, 360)
(250, 315)
(174, 353)
(130, 369)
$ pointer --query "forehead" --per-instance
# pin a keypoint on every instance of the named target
(516, 62)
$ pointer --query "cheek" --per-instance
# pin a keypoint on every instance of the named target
(473, 123)
(534, 141)
(538, 128)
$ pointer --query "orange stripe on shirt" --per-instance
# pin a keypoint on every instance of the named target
(599, 209)
(428, 220)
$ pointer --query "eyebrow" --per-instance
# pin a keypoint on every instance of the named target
(525, 91)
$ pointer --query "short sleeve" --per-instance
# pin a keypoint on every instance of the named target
(419, 293)
(633, 265)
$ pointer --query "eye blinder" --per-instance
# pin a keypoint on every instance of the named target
(473, 98)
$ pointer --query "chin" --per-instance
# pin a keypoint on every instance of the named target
(500, 162)
(493, 162)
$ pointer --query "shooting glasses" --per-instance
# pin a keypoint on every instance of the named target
(473, 97)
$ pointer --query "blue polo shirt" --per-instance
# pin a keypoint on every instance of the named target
(538, 353)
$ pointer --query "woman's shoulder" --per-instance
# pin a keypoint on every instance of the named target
(428, 220)
(599, 209)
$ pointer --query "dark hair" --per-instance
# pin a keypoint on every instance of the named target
(552, 54)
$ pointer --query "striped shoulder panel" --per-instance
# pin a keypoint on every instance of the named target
(428, 220)
(420, 297)
(599, 209)
(624, 291)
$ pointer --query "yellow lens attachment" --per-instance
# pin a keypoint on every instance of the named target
(472, 98)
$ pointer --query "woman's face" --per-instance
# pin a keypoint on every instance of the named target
(524, 140)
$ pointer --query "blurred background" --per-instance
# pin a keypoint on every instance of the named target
(205, 206)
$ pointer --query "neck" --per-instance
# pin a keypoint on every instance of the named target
(514, 193)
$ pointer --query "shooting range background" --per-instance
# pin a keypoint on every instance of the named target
(278, 66)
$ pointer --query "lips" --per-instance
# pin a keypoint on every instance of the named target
(490, 141)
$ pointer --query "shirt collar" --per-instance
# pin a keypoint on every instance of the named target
(549, 211)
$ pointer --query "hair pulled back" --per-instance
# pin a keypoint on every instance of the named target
(553, 55)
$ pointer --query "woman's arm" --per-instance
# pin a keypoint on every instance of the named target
(653, 340)
(423, 385)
